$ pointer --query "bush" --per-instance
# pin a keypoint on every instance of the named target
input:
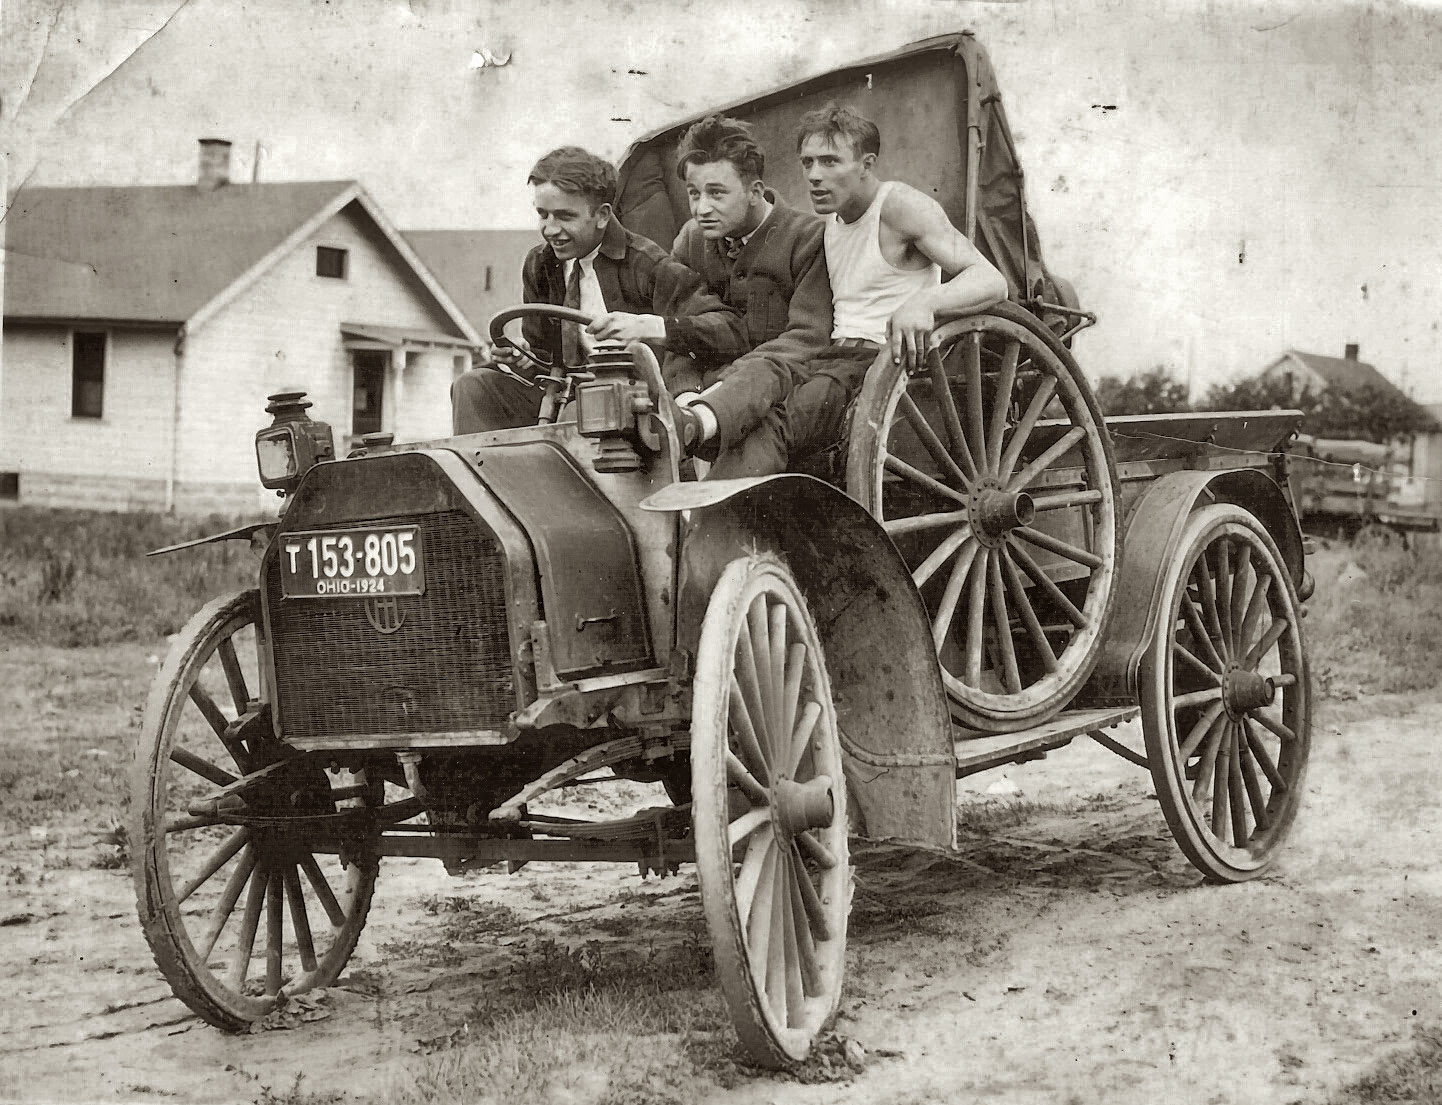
(77, 577)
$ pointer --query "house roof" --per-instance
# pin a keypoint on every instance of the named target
(399, 336)
(169, 253)
(1346, 374)
(459, 258)
(153, 254)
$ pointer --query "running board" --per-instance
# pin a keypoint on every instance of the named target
(981, 752)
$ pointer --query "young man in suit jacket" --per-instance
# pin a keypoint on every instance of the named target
(589, 261)
(764, 260)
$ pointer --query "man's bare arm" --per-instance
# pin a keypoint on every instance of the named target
(970, 283)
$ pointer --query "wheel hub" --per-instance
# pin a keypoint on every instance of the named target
(797, 807)
(1244, 691)
(996, 512)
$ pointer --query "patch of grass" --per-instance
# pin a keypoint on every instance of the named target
(295, 1095)
(80, 577)
(1374, 625)
(1413, 1076)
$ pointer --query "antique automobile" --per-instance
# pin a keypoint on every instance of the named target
(443, 633)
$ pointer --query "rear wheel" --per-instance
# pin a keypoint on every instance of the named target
(236, 902)
(769, 810)
(1226, 698)
(992, 471)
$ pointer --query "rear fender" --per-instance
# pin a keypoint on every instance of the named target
(890, 702)
(1150, 545)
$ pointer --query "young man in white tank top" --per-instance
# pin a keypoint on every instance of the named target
(895, 262)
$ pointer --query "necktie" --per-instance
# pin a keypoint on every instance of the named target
(733, 248)
(570, 332)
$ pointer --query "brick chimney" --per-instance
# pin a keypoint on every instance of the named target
(1350, 353)
(214, 164)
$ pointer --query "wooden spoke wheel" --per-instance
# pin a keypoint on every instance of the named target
(235, 908)
(769, 809)
(1226, 699)
(992, 471)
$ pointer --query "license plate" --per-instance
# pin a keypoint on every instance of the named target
(352, 563)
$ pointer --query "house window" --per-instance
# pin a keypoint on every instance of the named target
(488, 278)
(370, 375)
(87, 375)
(10, 485)
(330, 261)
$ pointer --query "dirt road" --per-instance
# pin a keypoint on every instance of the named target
(1068, 954)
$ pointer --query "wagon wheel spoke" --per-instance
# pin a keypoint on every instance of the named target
(758, 924)
(791, 697)
(1027, 612)
(234, 677)
(1022, 434)
(1264, 645)
(776, 953)
(802, 736)
(1248, 766)
(943, 552)
(1256, 607)
(1235, 798)
(976, 430)
(217, 859)
(1241, 592)
(188, 822)
(947, 464)
(1210, 674)
(810, 968)
(760, 850)
(202, 767)
(744, 781)
(819, 853)
(1207, 588)
(1275, 725)
(776, 638)
(274, 932)
(946, 608)
(921, 479)
(1196, 698)
(745, 732)
(1055, 452)
(810, 900)
(249, 922)
(1200, 636)
(1005, 382)
(1011, 675)
(1044, 582)
(299, 919)
(1064, 499)
(941, 388)
(1220, 792)
(895, 527)
(1210, 720)
(228, 899)
(322, 890)
(975, 623)
(221, 725)
(1223, 552)
(757, 651)
(747, 824)
(1264, 758)
(1203, 785)
(1059, 547)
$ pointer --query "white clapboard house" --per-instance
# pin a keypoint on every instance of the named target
(145, 326)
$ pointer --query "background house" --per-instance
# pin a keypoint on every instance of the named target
(480, 269)
(144, 327)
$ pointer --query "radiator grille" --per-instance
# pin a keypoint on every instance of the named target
(447, 668)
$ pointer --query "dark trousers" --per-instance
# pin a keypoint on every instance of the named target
(484, 399)
(813, 419)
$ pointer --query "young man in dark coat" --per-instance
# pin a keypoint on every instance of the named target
(589, 261)
(764, 260)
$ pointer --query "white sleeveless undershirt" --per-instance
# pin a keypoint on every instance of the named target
(866, 288)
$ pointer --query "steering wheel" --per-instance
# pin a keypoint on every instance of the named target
(499, 321)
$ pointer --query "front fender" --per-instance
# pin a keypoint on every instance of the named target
(1150, 545)
(890, 701)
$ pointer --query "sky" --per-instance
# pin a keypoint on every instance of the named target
(1220, 179)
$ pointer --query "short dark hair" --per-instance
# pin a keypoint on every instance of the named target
(837, 121)
(720, 138)
(579, 172)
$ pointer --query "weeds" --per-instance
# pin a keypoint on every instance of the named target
(1414, 1075)
(75, 577)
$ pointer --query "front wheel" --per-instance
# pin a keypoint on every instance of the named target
(769, 810)
(236, 907)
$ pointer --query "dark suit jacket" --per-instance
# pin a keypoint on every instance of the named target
(779, 284)
(638, 276)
